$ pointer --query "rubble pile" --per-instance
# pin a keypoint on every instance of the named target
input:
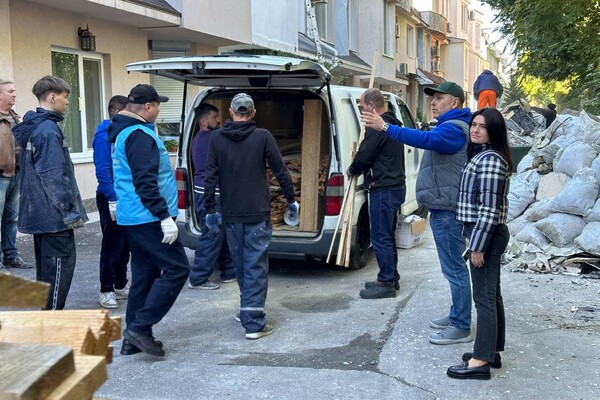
(522, 123)
(554, 205)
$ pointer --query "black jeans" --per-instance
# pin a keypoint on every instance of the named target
(158, 272)
(114, 253)
(55, 263)
(488, 298)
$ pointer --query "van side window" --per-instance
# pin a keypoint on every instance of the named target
(348, 115)
(406, 117)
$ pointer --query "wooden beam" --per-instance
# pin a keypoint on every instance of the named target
(90, 373)
(20, 292)
(311, 150)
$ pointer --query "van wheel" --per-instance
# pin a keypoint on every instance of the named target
(361, 249)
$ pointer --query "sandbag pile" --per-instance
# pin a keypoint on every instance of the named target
(554, 205)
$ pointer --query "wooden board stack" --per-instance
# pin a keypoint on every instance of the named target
(51, 354)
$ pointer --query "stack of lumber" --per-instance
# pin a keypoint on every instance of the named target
(51, 354)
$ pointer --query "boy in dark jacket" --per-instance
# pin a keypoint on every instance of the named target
(50, 206)
(381, 159)
(237, 159)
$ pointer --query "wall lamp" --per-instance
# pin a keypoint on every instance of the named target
(87, 41)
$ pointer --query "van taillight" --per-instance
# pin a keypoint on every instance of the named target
(181, 178)
(334, 194)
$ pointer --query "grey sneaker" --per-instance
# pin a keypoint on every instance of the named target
(266, 331)
(450, 335)
(107, 300)
(441, 323)
(237, 317)
(122, 294)
(208, 285)
(16, 263)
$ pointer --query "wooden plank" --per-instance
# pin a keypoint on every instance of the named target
(32, 371)
(117, 328)
(311, 149)
(21, 292)
(89, 375)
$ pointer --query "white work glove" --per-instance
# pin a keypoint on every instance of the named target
(112, 208)
(169, 229)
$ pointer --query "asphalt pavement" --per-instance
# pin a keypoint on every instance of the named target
(331, 344)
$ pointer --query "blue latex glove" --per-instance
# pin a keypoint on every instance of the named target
(214, 221)
(294, 208)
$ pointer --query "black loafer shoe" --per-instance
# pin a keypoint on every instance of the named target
(464, 372)
(496, 364)
(145, 343)
(127, 349)
(373, 283)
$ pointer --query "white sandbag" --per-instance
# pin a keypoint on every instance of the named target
(561, 229)
(576, 156)
(516, 225)
(596, 167)
(522, 193)
(588, 240)
(578, 195)
(592, 129)
(572, 128)
(593, 215)
(538, 210)
(525, 163)
(530, 234)
(551, 184)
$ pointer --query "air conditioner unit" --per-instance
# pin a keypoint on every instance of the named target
(471, 15)
(403, 68)
(449, 27)
(397, 31)
(435, 51)
(436, 66)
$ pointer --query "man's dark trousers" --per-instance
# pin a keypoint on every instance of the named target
(384, 204)
(114, 253)
(212, 248)
(158, 272)
(248, 243)
(55, 259)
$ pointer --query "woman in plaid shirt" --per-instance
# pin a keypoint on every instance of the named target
(482, 207)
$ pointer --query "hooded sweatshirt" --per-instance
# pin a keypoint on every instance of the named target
(103, 161)
(380, 158)
(237, 160)
(50, 199)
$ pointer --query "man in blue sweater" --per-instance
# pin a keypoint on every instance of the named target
(114, 251)
(437, 189)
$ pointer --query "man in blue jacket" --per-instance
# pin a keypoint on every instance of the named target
(114, 251)
(487, 89)
(146, 205)
(437, 189)
(50, 206)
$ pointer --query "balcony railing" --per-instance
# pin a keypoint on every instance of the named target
(436, 22)
(405, 4)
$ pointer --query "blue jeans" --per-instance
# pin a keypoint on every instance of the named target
(212, 248)
(248, 243)
(384, 204)
(9, 210)
(158, 272)
(450, 244)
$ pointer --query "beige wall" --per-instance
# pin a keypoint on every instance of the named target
(6, 69)
(219, 17)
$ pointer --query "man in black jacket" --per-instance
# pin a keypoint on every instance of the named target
(381, 159)
(237, 160)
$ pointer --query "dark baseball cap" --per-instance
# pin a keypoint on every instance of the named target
(242, 103)
(143, 93)
(447, 88)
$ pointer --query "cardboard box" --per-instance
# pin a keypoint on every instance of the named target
(409, 235)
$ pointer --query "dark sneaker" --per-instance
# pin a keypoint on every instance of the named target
(16, 263)
(378, 292)
(450, 335)
(266, 331)
(127, 349)
(228, 280)
(145, 343)
(441, 323)
(497, 363)
(373, 283)
(208, 285)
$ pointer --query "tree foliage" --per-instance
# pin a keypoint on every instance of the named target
(555, 40)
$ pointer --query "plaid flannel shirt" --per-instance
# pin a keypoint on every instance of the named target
(482, 199)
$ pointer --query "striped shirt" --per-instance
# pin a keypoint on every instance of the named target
(482, 199)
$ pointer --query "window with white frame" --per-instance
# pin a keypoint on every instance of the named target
(84, 72)
(464, 20)
(410, 41)
(168, 122)
(389, 19)
(321, 19)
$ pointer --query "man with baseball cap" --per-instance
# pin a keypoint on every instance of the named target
(237, 160)
(437, 189)
(146, 205)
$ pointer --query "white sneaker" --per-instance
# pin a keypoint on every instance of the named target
(107, 300)
(122, 294)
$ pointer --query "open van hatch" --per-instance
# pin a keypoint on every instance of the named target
(237, 71)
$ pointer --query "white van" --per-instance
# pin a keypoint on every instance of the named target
(316, 127)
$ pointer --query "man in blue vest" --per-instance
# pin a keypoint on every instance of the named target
(146, 205)
(437, 189)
